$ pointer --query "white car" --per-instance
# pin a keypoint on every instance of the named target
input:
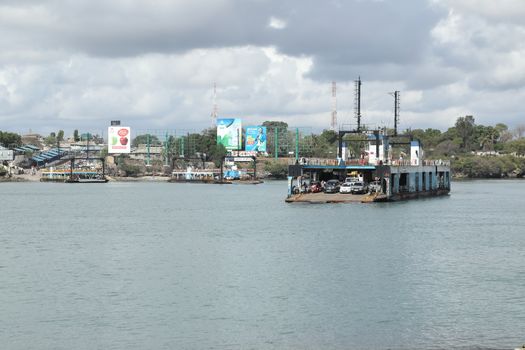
(345, 187)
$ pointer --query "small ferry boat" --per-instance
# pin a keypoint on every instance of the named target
(87, 178)
(76, 176)
(195, 175)
(86, 172)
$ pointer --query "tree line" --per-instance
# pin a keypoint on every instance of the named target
(475, 150)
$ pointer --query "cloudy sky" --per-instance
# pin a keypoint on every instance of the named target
(67, 64)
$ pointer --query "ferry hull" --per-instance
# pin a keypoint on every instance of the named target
(415, 195)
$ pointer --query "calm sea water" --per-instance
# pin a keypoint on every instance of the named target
(184, 266)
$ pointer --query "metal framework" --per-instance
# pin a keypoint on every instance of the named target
(284, 142)
(214, 111)
(175, 143)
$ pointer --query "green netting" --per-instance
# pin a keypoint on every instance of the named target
(289, 142)
(175, 143)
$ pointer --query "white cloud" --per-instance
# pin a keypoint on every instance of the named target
(276, 23)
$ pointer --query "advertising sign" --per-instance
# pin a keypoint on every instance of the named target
(229, 133)
(6, 154)
(256, 138)
(119, 139)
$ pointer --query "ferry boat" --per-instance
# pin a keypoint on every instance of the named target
(394, 179)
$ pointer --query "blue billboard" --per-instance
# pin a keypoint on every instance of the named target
(256, 138)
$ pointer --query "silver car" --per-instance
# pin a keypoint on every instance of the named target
(358, 187)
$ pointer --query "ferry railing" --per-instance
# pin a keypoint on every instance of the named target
(365, 161)
(315, 161)
(424, 162)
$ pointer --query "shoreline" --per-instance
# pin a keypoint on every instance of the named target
(27, 178)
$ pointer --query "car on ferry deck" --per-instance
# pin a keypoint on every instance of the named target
(358, 187)
(332, 186)
(346, 187)
(374, 187)
(315, 187)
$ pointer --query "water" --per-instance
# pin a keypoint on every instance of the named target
(176, 266)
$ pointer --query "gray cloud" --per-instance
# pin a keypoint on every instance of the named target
(349, 32)
(80, 63)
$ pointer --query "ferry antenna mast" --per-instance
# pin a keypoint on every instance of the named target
(357, 103)
(396, 95)
(333, 123)
(396, 111)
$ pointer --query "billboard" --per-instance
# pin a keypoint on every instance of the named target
(229, 133)
(256, 138)
(119, 139)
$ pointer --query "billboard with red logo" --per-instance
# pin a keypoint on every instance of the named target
(119, 139)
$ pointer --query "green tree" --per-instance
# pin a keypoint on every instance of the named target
(132, 170)
(465, 129)
(10, 139)
(500, 127)
(279, 129)
(484, 137)
(325, 145)
(143, 140)
(446, 149)
(51, 140)
(276, 170)
(217, 152)
(60, 135)
(205, 142)
(516, 146)
(429, 138)
(104, 152)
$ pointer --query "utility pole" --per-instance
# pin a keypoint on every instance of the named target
(148, 141)
(333, 123)
(296, 144)
(276, 142)
(166, 149)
